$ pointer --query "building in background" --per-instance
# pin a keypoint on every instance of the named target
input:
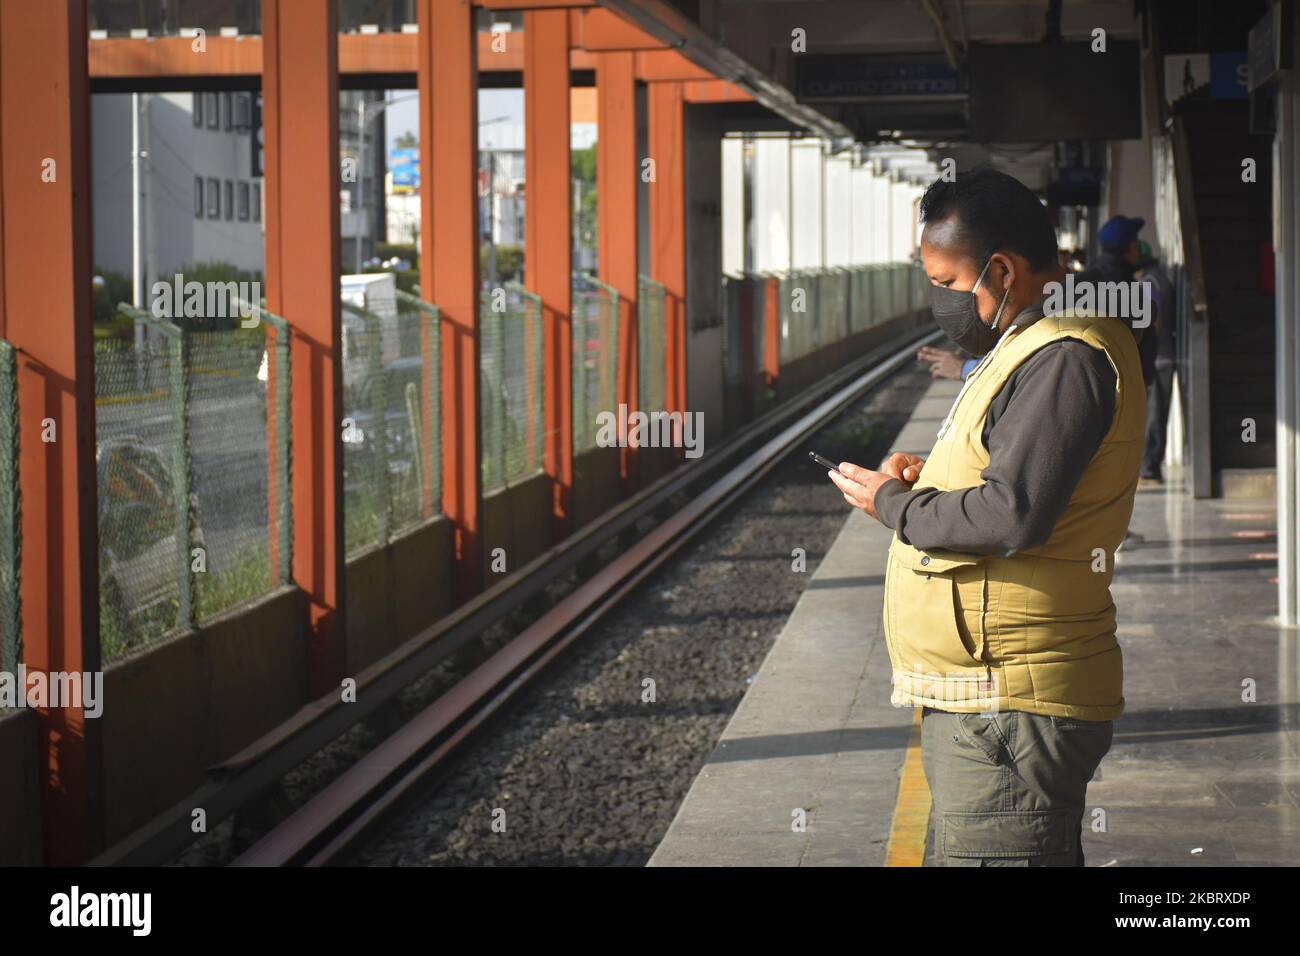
(199, 174)
(361, 185)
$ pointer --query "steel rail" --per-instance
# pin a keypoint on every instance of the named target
(339, 817)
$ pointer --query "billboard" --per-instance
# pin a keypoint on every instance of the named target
(404, 164)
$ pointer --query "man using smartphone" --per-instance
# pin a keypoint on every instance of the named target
(997, 611)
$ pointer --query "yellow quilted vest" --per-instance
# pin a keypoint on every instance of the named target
(1034, 631)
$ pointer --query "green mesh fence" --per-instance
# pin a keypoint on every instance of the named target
(511, 379)
(391, 460)
(421, 400)
(862, 314)
(595, 358)
(820, 308)
(192, 460)
(832, 306)
(652, 369)
(901, 274)
(920, 287)
(11, 634)
(142, 468)
(799, 315)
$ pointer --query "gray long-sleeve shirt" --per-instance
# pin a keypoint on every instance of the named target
(1042, 429)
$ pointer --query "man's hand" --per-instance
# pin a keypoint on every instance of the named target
(859, 485)
(944, 363)
(906, 468)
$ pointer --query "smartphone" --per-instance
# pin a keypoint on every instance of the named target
(824, 462)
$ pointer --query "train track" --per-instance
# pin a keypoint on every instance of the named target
(343, 814)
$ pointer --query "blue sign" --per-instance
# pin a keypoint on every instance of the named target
(1228, 76)
(404, 164)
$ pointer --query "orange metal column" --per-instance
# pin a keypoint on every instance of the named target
(771, 331)
(616, 184)
(668, 228)
(45, 311)
(449, 259)
(300, 116)
(548, 257)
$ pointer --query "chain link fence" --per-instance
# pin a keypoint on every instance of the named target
(820, 308)
(652, 369)
(511, 380)
(192, 467)
(11, 635)
(391, 455)
(595, 358)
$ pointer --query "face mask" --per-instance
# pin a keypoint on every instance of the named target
(958, 315)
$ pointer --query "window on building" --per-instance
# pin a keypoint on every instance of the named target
(257, 202)
(227, 110)
(242, 193)
(196, 108)
(214, 199)
(198, 197)
(230, 199)
(243, 112)
(212, 110)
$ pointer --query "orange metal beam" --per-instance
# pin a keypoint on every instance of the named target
(601, 31)
(121, 58)
(668, 228)
(449, 259)
(377, 53)
(617, 171)
(117, 57)
(668, 66)
(300, 118)
(714, 91)
(501, 51)
(46, 312)
(548, 257)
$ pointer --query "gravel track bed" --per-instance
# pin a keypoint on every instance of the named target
(580, 769)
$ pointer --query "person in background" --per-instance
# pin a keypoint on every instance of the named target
(1160, 387)
(946, 363)
(1120, 250)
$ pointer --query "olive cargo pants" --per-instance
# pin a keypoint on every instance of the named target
(1008, 789)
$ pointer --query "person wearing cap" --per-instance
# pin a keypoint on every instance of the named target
(1160, 387)
(1117, 262)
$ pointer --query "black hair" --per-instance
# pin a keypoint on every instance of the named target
(993, 211)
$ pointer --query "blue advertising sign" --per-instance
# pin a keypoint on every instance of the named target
(404, 164)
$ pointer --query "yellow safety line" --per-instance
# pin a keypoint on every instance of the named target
(912, 810)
